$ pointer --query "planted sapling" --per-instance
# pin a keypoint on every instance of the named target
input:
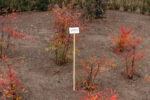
(62, 41)
(9, 83)
(127, 47)
(92, 68)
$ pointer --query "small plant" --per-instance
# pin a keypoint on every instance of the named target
(25, 5)
(107, 94)
(125, 5)
(62, 41)
(15, 5)
(10, 84)
(92, 68)
(79, 2)
(143, 8)
(8, 31)
(115, 5)
(128, 42)
(134, 7)
(60, 3)
(42, 4)
(100, 7)
(121, 41)
(148, 5)
(131, 56)
(94, 9)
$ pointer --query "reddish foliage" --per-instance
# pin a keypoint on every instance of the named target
(129, 45)
(13, 33)
(121, 41)
(9, 30)
(9, 83)
(108, 94)
(62, 41)
(92, 68)
(9, 26)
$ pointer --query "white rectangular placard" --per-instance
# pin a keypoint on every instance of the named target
(74, 30)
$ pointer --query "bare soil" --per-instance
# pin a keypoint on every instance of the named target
(47, 81)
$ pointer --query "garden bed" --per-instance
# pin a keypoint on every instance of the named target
(47, 81)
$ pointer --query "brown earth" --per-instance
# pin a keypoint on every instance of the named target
(38, 73)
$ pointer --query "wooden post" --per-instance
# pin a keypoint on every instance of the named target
(74, 75)
(74, 31)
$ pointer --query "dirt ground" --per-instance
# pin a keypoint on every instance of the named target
(38, 73)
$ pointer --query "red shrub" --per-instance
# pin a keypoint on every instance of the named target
(128, 43)
(9, 30)
(62, 41)
(92, 68)
(108, 94)
(121, 41)
(10, 84)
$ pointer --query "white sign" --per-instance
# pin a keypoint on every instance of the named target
(74, 30)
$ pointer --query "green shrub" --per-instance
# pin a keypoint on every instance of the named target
(125, 5)
(41, 4)
(148, 5)
(143, 10)
(115, 6)
(79, 2)
(25, 5)
(100, 7)
(143, 7)
(2, 4)
(94, 8)
(89, 11)
(22, 5)
(134, 7)
(60, 2)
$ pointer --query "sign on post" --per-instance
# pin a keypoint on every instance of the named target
(74, 30)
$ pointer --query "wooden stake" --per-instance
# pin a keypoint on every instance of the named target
(74, 30)
(74, 82)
